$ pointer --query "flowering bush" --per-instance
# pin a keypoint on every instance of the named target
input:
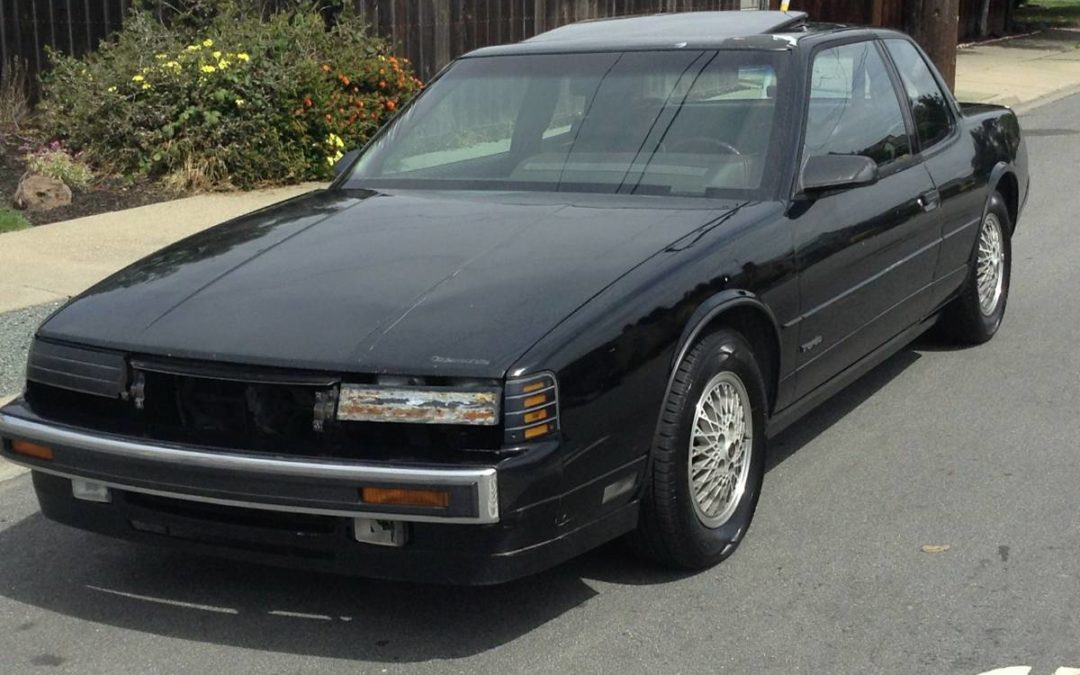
(55, 161)
(235, 102)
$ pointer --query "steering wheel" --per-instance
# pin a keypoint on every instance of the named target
(693, 143)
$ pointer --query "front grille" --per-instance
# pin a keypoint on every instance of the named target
(252, 411)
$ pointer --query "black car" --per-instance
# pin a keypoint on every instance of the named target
(565, 296)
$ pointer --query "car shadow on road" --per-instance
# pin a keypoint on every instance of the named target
(207, 600)
(788, 442)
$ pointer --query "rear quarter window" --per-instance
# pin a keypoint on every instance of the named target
(929, 104)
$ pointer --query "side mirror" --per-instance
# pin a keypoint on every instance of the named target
(345, 161)
(837, 172)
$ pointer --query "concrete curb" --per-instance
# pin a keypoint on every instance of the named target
(1056, 95)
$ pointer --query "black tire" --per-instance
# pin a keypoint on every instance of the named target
(964, 319)
(670, 530)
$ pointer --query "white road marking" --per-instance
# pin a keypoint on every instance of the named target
(166, 601)
(299, 615)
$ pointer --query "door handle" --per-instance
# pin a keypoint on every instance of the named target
(930, 200)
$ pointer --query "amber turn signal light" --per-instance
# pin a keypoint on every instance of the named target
(399, 497)
(537, 431)
(32, 450)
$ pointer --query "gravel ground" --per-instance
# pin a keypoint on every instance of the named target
(16, 330)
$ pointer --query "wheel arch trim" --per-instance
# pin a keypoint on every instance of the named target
(1003, 171)
(712, 309)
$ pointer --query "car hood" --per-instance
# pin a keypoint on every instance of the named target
(376, 282)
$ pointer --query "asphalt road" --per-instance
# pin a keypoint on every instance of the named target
(975, 449)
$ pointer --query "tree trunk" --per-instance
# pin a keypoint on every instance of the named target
(935, 24)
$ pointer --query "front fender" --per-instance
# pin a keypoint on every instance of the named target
(711, 310)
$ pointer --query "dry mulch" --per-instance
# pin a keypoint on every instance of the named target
(103, 196)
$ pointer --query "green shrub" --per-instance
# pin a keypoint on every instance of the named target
(55, 162)
(237, 100)
(11, 220)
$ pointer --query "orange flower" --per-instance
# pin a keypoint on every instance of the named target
(308, 102)
(390, 105)
(382, 84)
(344, 80)
(326, 67)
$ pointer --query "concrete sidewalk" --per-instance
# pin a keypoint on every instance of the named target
(54, 262)
(1020, 72)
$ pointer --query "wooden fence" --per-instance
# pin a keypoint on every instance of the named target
(897, 13)
(429, 32)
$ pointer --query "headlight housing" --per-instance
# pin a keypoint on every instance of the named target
(418, 405)
(531, 408)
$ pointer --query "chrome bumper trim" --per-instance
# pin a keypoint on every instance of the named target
(484, 478)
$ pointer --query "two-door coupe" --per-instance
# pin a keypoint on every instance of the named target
(565, 296)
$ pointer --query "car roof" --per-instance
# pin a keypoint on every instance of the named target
(702, 30)
(676, 27)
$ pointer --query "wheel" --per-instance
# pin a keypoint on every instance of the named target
(708, 457)
(975, 316)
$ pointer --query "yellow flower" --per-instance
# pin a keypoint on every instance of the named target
(334, 141)
(173, 64)
(223, 65)
(112, 90)
(161, 57)
(138, 78)
(243, 56)
(146, 85)
(335, 158)
(208, 69)
(216, 55)
(240, 103)
(207, 43)
(192, 48)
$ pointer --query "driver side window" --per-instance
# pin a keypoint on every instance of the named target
(853, 107)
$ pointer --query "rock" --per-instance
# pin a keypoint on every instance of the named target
(41, 193)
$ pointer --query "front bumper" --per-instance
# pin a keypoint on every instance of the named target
(300, 512)
(253, 481)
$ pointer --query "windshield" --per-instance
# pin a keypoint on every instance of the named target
(685, 123)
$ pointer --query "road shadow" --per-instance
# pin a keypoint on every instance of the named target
(215, 601)
(819, 420)
(208, 600)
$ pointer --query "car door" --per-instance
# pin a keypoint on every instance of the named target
(866, 255)
(948, 157)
